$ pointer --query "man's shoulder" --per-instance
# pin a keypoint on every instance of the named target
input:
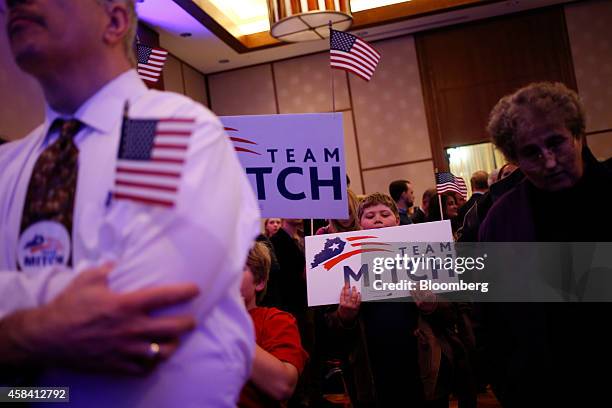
(207, 131)
(172, 104)
(9, 150)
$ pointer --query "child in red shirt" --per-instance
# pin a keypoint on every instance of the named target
(279, 356)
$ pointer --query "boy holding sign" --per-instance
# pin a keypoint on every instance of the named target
(392, 331)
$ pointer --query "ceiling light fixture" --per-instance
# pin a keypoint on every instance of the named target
(307, 20)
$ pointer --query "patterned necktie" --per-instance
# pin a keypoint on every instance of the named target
(52, 185)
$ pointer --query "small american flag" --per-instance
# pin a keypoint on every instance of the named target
(150, 160)
(447, 182)
(352, 54)
(150, 62)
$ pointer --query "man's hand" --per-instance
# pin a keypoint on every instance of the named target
(89, 327)
(350, 300)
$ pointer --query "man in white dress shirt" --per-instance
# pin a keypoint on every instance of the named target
(80, 51)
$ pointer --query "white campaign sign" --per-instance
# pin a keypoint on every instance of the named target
(333, 259)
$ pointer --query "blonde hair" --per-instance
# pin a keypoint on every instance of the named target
(353, 202)
(259, 262)
(377, 198)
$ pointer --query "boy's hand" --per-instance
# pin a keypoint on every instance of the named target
(426, 300)
(350, 300)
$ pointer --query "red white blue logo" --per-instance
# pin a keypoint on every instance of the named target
(337, 250)
(43, 244)
(242, 145)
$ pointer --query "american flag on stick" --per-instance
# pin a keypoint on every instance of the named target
(352, 54)
(151, 156)
(447, 182)
(150, 62)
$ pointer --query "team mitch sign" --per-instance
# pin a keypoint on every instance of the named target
(295, 163)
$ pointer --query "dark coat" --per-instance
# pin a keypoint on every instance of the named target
(474, 199)
(476, 215)
(418, 216)
(292, 280)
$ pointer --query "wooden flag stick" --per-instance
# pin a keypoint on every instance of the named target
(332, 72)
(439, 195)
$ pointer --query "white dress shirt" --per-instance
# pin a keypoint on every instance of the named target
(204, 239)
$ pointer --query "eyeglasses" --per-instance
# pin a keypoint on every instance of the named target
(555, 146)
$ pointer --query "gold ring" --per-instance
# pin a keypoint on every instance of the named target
(154, 350)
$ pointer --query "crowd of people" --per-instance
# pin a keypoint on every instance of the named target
(196, 314)
(457, 348)
(364, 339)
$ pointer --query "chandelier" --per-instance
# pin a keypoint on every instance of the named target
(307, 20)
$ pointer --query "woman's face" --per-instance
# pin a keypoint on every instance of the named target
(459, 200)
(272, 226)
(451, 207)
(550, 156)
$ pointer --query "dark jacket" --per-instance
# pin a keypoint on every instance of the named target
(292, 281)
(393, 345)
(418, 216)
(476, 215)
(475, 198)
(404, 217)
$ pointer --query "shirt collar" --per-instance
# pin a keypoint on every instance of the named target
(104, 109)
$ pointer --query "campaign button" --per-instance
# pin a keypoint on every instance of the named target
(46, 243)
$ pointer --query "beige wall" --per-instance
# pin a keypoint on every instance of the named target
(22, 106)
(195, 84)
(248, 91)
(601, 145)
(182, 78)
(173, 75)
(304, 85)
(588, 26)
